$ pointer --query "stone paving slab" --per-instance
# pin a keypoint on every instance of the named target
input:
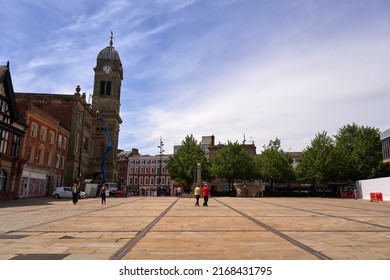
(167, 228)
(215, 245)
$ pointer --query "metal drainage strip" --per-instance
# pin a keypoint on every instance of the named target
(15, 236)
(40, 257)
(308, 249)
(118, 255)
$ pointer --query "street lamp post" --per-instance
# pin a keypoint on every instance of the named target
(161, 147)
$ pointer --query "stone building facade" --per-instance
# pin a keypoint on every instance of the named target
(89, 135)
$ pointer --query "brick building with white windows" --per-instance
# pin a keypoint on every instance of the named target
(144, 171)
(44, 149)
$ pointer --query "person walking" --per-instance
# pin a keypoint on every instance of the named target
(197, 195)
(103, 193)
(205, 194)
(178, 192)
(75, 194)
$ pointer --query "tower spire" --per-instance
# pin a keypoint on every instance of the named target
(112, 37)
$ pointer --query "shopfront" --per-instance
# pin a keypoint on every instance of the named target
(33, 184)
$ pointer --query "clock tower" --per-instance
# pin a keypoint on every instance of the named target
(106, 101)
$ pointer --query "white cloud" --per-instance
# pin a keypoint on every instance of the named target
(286, 70)
(290, 96)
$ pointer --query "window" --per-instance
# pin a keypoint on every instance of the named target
(33, 130)
(64, 143)
(141, 180)
(62, 162)
(58, 161)
(57, 181)
(39, 156)
(386, 148)
(3, 141)
(152, 180)
(146, 181)
(51, 137)
(30, 153)
(43, 134)
(4, 111)
(3, 180)
(15, 145)
(105, 88)
(59, 143)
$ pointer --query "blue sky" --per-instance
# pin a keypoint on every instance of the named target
(266, 69)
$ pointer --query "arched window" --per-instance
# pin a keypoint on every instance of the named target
(3, 180)
(105, 88)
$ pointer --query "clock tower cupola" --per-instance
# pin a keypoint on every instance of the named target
(108, 78)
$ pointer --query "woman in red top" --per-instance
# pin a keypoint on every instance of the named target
(205, 194)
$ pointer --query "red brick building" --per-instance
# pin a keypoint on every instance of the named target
(123, 163)
(144, 171)
(45, 149)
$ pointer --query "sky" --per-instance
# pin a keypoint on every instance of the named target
(235, 69)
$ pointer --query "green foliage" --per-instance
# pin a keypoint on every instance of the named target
(273, 164)
(232, 162)
(182, 165)
(318, 162)
(359, 152)
(355, 153)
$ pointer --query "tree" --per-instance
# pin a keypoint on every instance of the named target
(232, 162)
(182, 165)
(318, 162)
(273, 164)
(359, 152)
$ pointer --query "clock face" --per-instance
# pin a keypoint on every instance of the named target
(106, 69)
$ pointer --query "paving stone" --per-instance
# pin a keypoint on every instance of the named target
(229, 229)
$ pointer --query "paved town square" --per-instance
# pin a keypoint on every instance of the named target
(168, 228)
